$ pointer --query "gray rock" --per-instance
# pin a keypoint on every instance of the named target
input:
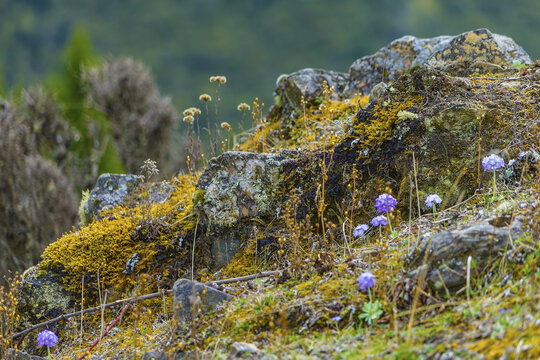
(309, 84)
(448, 252)
(154, 355)
(13, 354)
(400, 55)
(477, 45)
(41, 298)
(235, 188)
(524, 164)
(109, 191)
(241, 350)
(191, 297)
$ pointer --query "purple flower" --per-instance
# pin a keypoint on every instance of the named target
(385, 203)
(492, 162)
(379, 220)
(432, 200)
(360, 230)
(47, 337)
(336, 318)
(366, 281)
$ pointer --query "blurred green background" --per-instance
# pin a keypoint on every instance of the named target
(251, 42)
(96, 111)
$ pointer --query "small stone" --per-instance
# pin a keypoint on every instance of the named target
(241, 350)
(110, 190)
(191, 296)
(308, 83)
(154, 355)
(13, 354)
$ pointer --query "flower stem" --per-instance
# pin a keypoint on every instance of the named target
(370, 308)
(389, 224)
(494, 184)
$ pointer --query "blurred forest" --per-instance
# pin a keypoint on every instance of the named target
(251, 42)
(88, 87)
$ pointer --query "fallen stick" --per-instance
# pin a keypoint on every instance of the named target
(106, 332)
(136, 298)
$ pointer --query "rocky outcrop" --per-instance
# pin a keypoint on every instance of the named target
(428, 112)
(446, 265)
(480, 46)
(298, 199)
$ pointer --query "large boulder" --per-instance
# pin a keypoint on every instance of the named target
(236, 190)
(446, 121)
(400, 55)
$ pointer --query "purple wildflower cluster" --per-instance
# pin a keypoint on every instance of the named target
(385, 203)
(432, 200)
(379, 220)
(47, 337)
(492, 162)
(360, 230)
(366, 281)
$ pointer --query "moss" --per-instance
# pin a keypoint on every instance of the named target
(104, 247)
(383, 119)
(321, 125)
(198, 197)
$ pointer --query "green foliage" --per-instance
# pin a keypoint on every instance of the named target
(250, 42)
(93, 145)
(371, 311)
(69, 85)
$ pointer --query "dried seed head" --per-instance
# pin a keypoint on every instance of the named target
(226, 126)
(193, 111)
(243, 106)
(205, 97)
(218, 78)
(187, 112)
(189, 119)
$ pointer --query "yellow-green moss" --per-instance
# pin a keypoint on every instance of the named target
(385, 116)
(106, 245)
(321, 125)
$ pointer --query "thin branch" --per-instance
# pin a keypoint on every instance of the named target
(138, 298)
